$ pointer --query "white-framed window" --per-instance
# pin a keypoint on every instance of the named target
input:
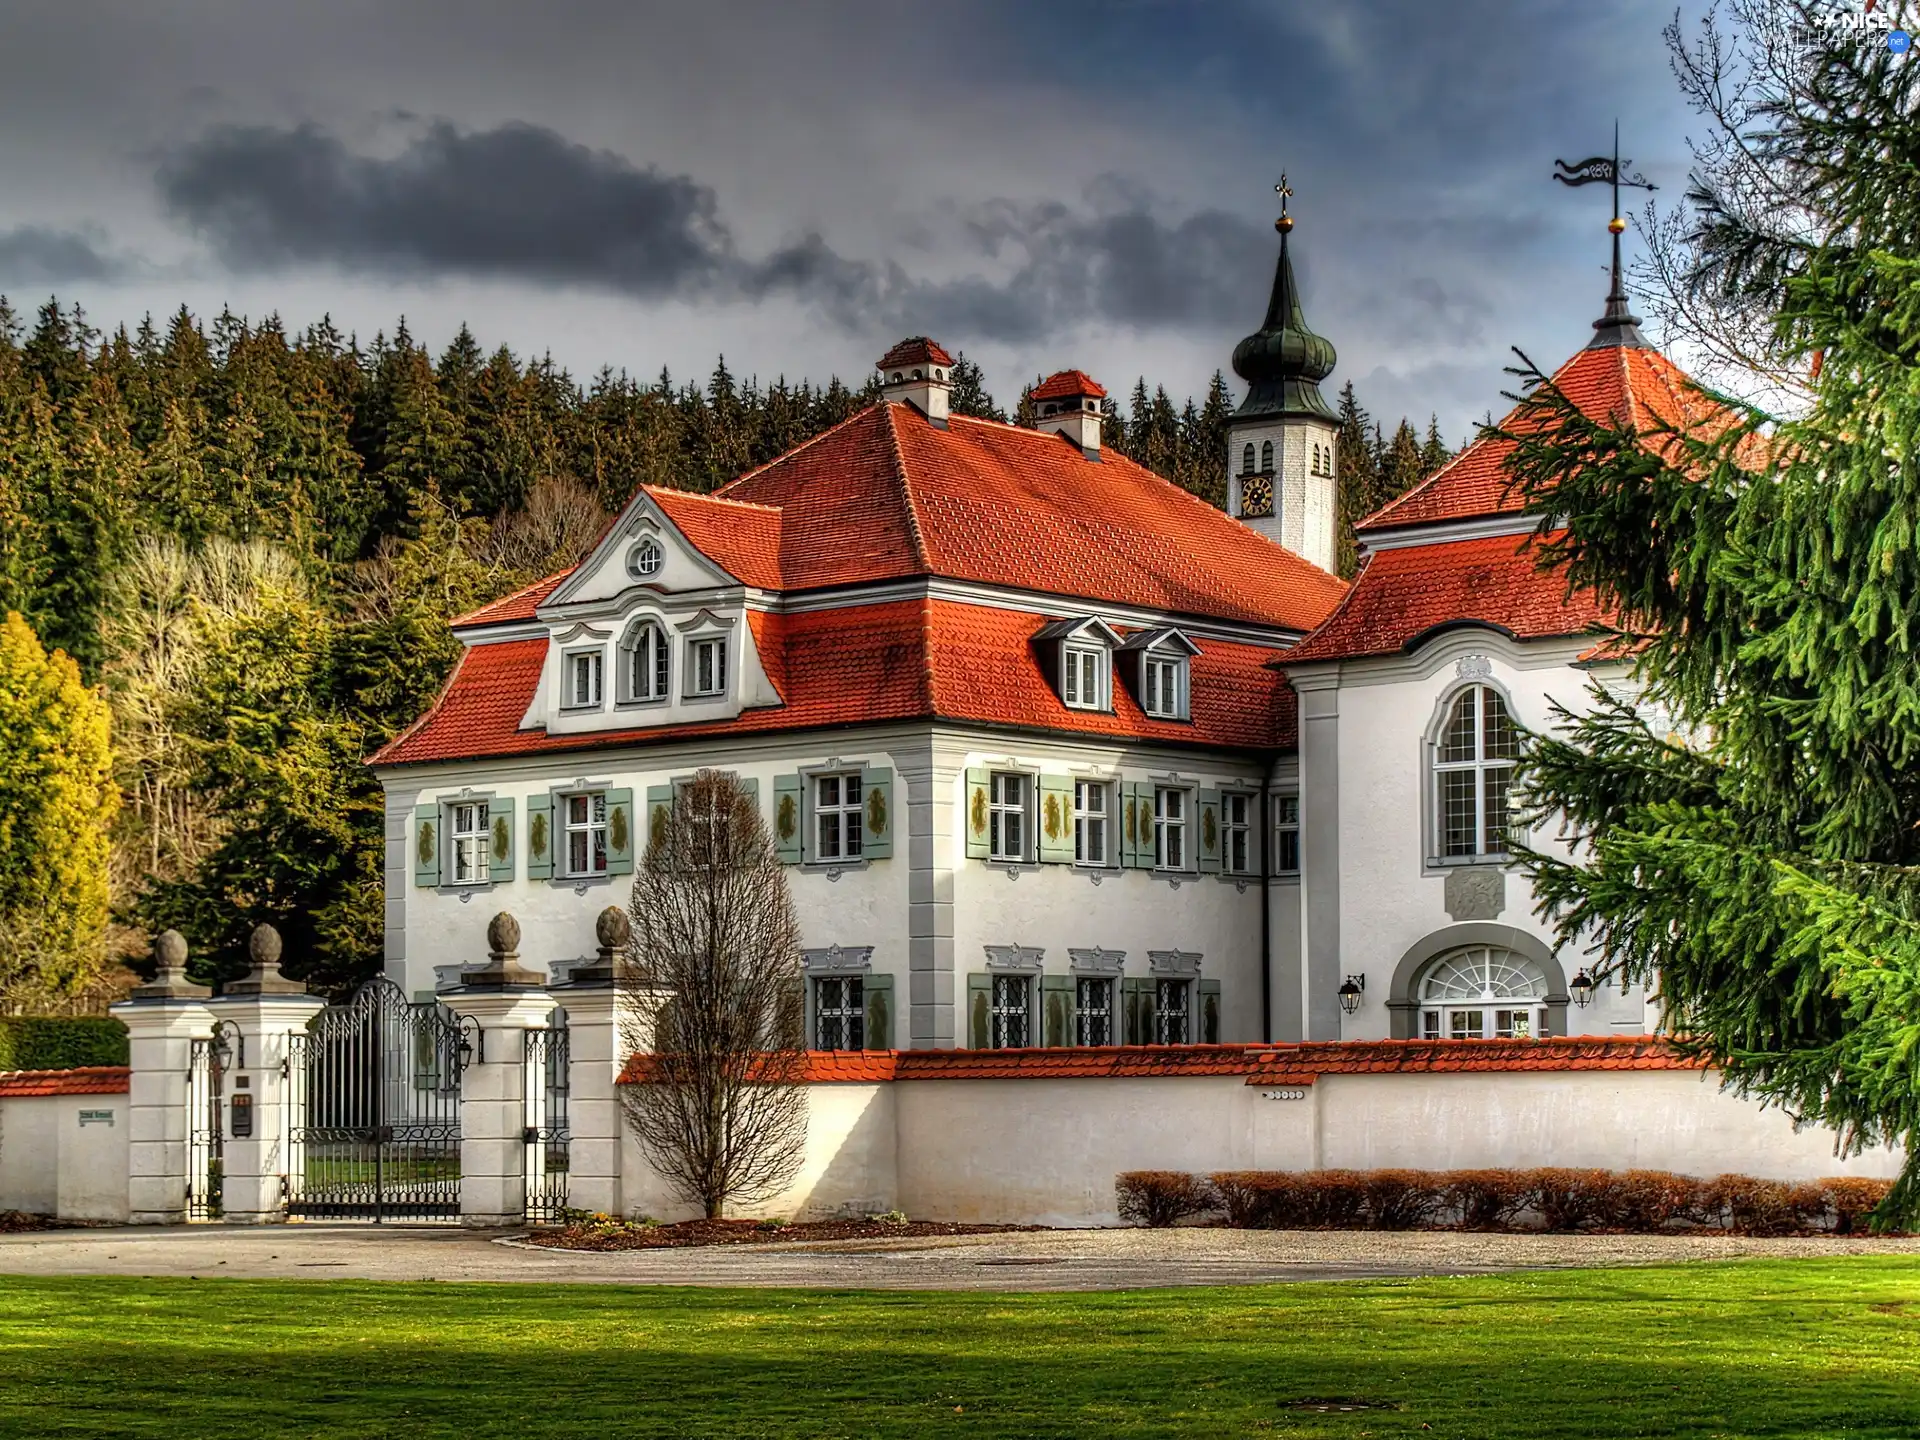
(1089, 822)
(837, 813)
(584, 825)
(1172, 1010)
(1483, 993)
(1169, 828)
(1011, 1012)
(585, 672)
(648, 657)
(1163, 686)
(707, 665)
(1093, 1010)
(472, 841)
(645, 559)
(1083, 677)
(1007, 815)
(839, 1013)
(1236, 832)
(1473, 762)
(1286, 834)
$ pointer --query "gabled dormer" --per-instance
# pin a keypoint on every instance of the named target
(1076, 654)
(1155, 665)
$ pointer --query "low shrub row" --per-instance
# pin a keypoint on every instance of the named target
(1544, 1199)
(57, 1042)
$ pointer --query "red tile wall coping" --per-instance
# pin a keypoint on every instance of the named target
(87, 1080)
(1259, 1064)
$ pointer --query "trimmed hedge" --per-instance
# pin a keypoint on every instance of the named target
(1551, 1198)
(53, 1042)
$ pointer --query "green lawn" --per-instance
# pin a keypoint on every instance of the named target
(1802, 1348)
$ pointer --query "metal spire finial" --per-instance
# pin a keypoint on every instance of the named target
(1618, 325)
(1285, 192)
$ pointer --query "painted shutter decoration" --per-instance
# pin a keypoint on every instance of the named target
(1056, 819)
(979, 1011)
(787, 790)
(878, 993)
(1207, 1026)
(426, 845)
(619, 832)
(659, 812)
(876, 838)
(1140, 823)
(975, 819)
(500, 853)
(1209, 836)
(540, 837)
(1056, 1009)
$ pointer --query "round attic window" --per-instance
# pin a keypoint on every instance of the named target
(645, 559)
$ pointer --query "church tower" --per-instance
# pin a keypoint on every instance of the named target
(1282, 470)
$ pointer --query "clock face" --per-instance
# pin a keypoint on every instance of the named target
(645, 559)
(1256, 497)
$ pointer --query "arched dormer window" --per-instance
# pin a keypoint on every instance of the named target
(1473, 760)
(646, 664)
(1246, 459)
(1483, 992)
(1266, 455)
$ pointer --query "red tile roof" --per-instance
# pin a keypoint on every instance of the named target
(520, 605)
(1260, 1064)
(909, 659)
(1621, 384)
(87, 1080)
(1402, 594)
(740, 537)
(914, 350)
(1068, 385)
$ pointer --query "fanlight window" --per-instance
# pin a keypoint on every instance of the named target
(1483, 993)
(1473, 771)
(646, 664)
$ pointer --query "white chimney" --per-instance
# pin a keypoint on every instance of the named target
(1069, 404)
(920, 373)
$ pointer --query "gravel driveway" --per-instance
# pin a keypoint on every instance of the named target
(1042, 1260)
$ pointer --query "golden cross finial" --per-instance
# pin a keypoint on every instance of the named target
(1285, 192)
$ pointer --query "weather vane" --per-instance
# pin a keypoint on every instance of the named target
(1600, 170)
(1285, 192)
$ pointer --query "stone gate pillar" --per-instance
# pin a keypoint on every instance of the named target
(502, 1001)
(163, 1019)
(595, 1054)
(256, 1014)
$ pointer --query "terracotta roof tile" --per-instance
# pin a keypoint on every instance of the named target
(742, 538)
(1286, 1064)
(87, 1080)
(520, 605)
(914, 350)
(1402, 594)
(1118, 1062)
(1068, 385)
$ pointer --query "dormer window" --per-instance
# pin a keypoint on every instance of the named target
(707, 665)
(645, 559)
(1083, 678)
(646, 664)
(1159, 668)
(1077, 656)
(585, 671)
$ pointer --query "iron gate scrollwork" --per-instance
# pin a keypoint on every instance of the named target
(544, 1073)
(374, 1123)
(205, 1134)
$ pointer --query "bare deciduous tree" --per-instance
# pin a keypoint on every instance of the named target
(713, 977)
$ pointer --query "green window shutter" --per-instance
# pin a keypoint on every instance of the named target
(878, 992)
(1140, 823)
(1209, 1026)
(619, 832)
(1258, 818)
(979, 1010)
(659, 812)
(1137, 995)
(876, 840)
(540, 837)
(1056, 819)
(787, 790)
(975, 818)
(1123, 842)
(426, 845)
(1209, 832)
(500, 818)
(1056, 1013)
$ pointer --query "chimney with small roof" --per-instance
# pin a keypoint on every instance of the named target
(1068, 403)
(918, 372)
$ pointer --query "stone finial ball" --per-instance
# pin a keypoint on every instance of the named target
(264, 945)
(503, 934)
(613, 929)
(170, 949)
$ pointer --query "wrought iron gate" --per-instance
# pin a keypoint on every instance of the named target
(374, 1119)
(547, 1134)
(204, 1130)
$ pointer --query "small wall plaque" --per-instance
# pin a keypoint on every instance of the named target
(240, 1125)
(96, 1117)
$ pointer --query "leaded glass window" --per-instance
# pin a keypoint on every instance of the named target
(1473, 773)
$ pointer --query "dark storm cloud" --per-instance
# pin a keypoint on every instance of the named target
(34, 255)
(520, 202)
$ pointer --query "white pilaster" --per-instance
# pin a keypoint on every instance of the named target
(493, 1101)
(160, 1035)
(253, 1187)
(595, 1056)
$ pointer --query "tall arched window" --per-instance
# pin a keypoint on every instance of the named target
(1246, 460)
(1314, 468)
(646, 661)
(1483, 993)
(1473, 762)
(1266, 455)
